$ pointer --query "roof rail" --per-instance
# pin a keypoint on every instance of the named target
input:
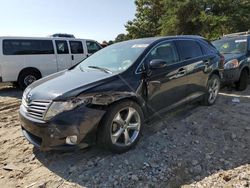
(237, 34)
(64, 35)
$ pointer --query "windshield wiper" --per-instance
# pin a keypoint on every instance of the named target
(101, 68)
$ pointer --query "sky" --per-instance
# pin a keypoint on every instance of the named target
(88, 19)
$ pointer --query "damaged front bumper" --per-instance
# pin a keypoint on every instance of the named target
(81, 122)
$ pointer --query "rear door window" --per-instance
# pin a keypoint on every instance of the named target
(76, 47)
(62, 47)
(188, 49)
(92, 47)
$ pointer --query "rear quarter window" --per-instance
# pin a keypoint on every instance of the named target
(207, 50)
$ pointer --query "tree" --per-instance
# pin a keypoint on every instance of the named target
(120, 38)
(110, 42)
(147, 19)
(208, 18)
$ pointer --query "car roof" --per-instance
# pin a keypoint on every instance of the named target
(42, 38)
(158, 39)
(233, 37)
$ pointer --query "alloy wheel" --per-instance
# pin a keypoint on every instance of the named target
(29, 79)
(213, 90)
(125, 127)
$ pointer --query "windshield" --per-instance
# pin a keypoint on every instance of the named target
(115, 58)
(231, 46)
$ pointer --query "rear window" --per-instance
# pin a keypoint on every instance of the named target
(27, 47)
(76, 47)
(189, 49)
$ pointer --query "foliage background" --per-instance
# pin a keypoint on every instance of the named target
(207, 18)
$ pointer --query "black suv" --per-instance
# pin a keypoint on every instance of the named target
(107, 97)
(236, 49)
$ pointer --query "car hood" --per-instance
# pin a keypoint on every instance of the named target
(63, 84)
(229, 57)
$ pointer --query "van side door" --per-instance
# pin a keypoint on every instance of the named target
(192, 56)
(63, 56)
(77, 51)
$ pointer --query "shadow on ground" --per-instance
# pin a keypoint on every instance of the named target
(10, 91)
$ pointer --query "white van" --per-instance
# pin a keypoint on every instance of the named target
(24, 59)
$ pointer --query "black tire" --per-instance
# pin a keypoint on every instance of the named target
(241, 85)
(207, 97)
(22, 79)
(104, 135)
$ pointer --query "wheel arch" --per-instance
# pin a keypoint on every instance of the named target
(30, 69)
(247, 69)
(215, 72)
(139, 101)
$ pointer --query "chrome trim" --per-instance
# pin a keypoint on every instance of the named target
(162, 42)
(36, 108)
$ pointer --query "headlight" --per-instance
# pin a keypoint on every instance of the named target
(59, 107)
(231, 64)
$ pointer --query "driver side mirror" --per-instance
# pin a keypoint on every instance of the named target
(157, 64)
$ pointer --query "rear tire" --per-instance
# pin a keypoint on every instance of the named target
(213, 87)
(120, 129)
(241, 85)
(27, 77)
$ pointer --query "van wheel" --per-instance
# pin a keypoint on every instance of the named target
(213, 88)
(120, 129)
(26, 78)
(241, 85)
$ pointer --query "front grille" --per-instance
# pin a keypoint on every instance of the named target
(36, 108)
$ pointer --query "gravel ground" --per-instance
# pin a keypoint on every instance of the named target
(193, 146)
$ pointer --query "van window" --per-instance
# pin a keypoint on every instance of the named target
(27, 47)
(76, 47)
(92, 47)
(188, 49)
(62, 47)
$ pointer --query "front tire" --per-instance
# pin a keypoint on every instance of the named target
(120, 129)
(241, 85)
(26, 78)
(213, 87)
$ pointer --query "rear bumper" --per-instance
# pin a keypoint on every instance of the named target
(81, 122)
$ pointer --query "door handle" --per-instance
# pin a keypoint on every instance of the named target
(181, 71)
(72, 57)
(206, 62)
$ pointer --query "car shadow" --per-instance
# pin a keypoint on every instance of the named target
(180, 147)
(10, 91)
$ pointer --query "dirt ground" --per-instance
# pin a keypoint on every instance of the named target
(193, 146)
